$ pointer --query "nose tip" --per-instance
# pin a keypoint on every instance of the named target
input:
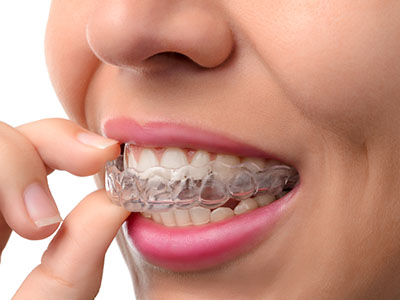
(127, 32)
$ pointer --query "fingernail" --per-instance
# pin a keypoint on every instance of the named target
(95, 140)
(40, 207)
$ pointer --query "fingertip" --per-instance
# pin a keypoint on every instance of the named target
(34, 215)
(29, 230)
(76, 150)
(48, 221)
(94, 140)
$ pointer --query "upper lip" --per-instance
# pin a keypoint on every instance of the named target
(167, 134)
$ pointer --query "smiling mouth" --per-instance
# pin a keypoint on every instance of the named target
(199, 198)
(186, 187)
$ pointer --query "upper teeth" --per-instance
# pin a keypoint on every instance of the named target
(175, 158)
(160, 180)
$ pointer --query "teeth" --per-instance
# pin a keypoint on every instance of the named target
(182, 217)
(264, 200)
(271, 163)
(173, 158)
(245, 206)
(230, 160)
(146, 214)
(259, 162)
(130, 160)
(156, 217)
(220, 214)
(147, 160)
(168, 218)
(200, 215)
(219, 181)
(200, 161)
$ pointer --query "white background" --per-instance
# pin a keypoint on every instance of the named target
(26, 95)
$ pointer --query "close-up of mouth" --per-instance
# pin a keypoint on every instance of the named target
(195, 203)
(200, 150)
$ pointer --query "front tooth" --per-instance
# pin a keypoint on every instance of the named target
(265, 199)
(147, 160)
(200, 215)
(173, 158)
(156, 217)
(130, 160)
(245, 206)
(221, 213)
(168, 218)
(200, 163)
(182, 217)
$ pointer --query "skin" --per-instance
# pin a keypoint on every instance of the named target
(316, 82)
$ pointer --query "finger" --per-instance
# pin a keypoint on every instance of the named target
(25, 156)
(64, 145)
(25, 200)
(72, 266)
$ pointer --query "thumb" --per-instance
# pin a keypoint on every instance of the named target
(72, 266)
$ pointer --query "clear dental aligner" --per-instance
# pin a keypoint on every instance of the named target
(159, 189)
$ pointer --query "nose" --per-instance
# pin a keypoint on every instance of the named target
(126, 33)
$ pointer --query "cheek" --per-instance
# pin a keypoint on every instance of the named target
(338, 63)
(70, 62)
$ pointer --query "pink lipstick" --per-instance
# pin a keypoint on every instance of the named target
(196, 247)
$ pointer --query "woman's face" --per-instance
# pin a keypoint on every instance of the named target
(314, 83)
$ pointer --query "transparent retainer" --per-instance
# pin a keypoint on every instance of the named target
(159, 189)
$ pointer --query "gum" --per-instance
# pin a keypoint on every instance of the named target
(160, 189)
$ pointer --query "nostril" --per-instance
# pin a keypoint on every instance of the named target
(169, 56)
(166, 60)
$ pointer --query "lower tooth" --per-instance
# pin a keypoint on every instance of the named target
(199, 215)
(264, 200)
(245, 206)
(156, 217)
(182, 217)
(146, 214)
(168, 218)
(220, 214)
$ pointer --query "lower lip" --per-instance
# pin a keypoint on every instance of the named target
(201, 247)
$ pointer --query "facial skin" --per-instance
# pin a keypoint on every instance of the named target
(317, 82)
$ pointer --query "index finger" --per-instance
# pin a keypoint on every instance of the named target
(64, 145)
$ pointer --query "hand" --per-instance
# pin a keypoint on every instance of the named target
(71, 268)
